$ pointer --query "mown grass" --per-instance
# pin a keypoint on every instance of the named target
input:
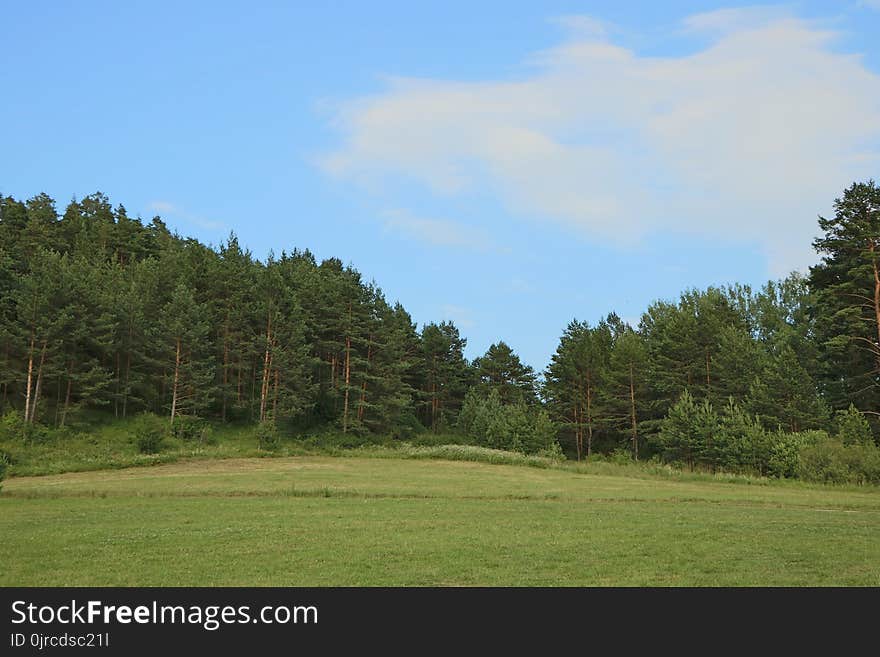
(391, 521)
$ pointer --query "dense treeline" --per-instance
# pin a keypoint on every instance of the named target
(100, 310)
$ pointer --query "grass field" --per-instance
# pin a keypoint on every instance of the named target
(366, 521)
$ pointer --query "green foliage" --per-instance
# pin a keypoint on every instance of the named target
(852, 427)
(192, 429)
(511, 427)
(686, 431)
(149, 432)
(831, 461)
(501, 369)
(740, 443)
(12, 426)
(268, 437)
(100, 311)
(846, 327)
(734, 441)
(785, 449)
(4, 466)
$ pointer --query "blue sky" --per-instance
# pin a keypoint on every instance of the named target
(506, 165)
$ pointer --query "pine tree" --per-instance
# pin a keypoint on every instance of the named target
(183, 353)
(624, 392)
(501, 369)
(445, 374)
(574, 379)
(847, 304)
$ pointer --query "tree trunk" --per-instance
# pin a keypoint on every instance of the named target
(876, 299)
(589, 416)
(39, 383)
(27, 399)
(275, 397)
(5, 383)
(67, 395)
(347, 382)
(118, 377)
(130, 347)
(364, 385)
(708, 380)
(267, 360)
(127, 379)
(239, 379)
(632, 401)
(175, 384)
(225, 369)
(67, 399)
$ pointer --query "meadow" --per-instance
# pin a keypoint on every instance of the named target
(359, 520)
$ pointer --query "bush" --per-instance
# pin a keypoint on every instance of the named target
(510, 427)
(268, 436)
(785, 449)
(852, 427)
(407, 427)
(13, 427)
(192, 429)
(4, 464)
(149, 432)
(832, 461)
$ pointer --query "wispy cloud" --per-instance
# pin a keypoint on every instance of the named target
(439, 232)
(461, 316)
(170, 209)
(747, 139)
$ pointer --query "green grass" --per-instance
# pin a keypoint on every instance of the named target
(390, 521)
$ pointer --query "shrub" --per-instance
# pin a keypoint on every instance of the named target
(12, 426)
(511, 427)
(785, 449)
(687, 431)
(852, 427)
(4, 464)
(149, 432)
(832, 461)
(267, 436)
(407, 427)
(192, 429)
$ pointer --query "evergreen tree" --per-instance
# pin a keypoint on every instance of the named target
(501, 369)
(182, 352)
(574, 378)
(847, 304)
(625, 387)
(445, 374)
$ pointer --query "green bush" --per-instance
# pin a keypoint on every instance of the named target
(832, 461)
(511, 427)
(191, 429)
(4, 464)
(149, 431)
(852, 427)
(13, 427)
(267, 436)
(785, 449)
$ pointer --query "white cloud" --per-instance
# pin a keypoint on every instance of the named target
(171, 209)
(459, 315)
(747, 139)
(439, 232)
(163, 206)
